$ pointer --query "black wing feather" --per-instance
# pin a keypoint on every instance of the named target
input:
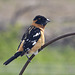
(31, 37)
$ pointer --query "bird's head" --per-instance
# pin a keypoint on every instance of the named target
(41, 20)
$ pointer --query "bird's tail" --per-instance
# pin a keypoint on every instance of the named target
(12, 58)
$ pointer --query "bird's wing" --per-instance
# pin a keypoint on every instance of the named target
(30, 38)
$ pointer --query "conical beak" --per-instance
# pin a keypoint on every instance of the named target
(48, 20)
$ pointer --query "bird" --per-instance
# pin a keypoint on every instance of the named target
(32, 39)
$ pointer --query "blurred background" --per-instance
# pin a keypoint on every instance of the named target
(56, 59)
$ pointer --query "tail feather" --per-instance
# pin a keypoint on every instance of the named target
(12, 58)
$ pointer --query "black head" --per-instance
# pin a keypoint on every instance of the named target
(41, 20)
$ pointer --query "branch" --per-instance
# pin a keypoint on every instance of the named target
(50, 42)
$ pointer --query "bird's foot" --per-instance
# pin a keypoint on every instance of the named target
(28, 58)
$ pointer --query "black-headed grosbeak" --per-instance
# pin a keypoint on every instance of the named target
(33, 39)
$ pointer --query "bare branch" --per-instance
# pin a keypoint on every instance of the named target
(50, 42)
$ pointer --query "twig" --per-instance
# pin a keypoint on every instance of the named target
(50, 42)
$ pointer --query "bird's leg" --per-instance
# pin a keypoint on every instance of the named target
(28, 58)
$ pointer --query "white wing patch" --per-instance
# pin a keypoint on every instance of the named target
(27, 39)
(36, 34)
(28, 49)
(34, 42)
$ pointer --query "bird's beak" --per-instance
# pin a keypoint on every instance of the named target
(48, 20)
